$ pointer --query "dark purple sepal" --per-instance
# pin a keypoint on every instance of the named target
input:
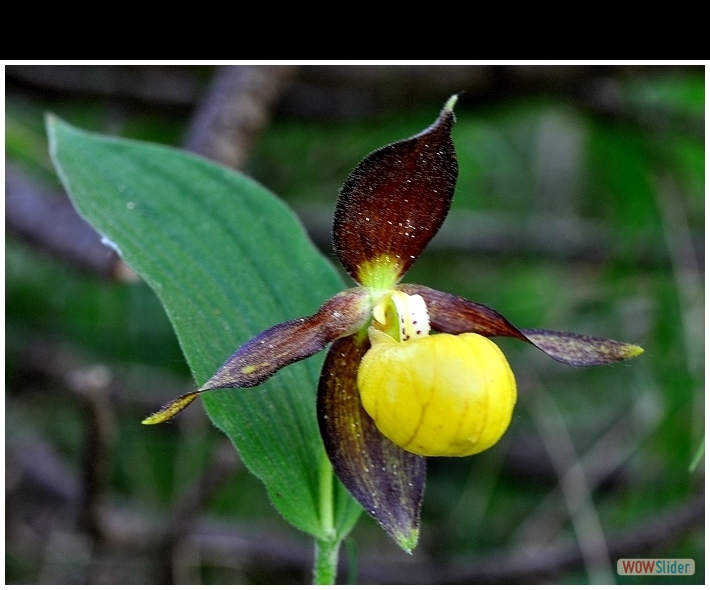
(386, 480)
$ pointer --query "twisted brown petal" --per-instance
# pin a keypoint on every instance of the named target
(456, 315)
(581, 350)
(259, 358)
(393, 203)
(386, 480)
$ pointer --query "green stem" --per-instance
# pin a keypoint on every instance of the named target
(326, 495)
(326, 562)
(326, 559)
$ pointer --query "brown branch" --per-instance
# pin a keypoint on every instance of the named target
(515, 567)
(235, 111)
(176, 86)
(232, 548)
(355, 91)
(90, 386)
(51, 365)
(186, 511)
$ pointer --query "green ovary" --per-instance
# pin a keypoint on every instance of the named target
(440, 395)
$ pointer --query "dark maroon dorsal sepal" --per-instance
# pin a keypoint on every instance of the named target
(396, 199)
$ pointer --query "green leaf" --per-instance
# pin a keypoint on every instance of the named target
(699, 454)
(227, 259)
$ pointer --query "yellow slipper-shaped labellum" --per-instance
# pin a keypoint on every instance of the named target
(440, 395)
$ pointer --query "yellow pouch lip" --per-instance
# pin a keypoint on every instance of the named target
(440, 395)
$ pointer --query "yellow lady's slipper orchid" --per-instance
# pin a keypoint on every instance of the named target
(441, 395)
(433, 395)
(391, 393)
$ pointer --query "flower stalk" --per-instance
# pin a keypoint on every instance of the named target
(326, 547)
(325, 565)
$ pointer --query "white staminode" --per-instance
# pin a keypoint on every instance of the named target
(408, 313)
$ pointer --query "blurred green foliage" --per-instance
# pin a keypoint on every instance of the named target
(637, 173)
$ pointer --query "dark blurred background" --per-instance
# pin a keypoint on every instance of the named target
(579, 207)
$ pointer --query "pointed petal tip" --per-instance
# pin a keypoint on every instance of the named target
(449, 106)
(171, 409)
(408, 542)
(633, 350)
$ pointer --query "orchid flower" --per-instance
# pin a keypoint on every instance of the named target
(411, 371)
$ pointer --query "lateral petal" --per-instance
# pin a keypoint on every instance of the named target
(259, 358)
(455, 315)
(283, 344)
(581, 350)
(385, 479)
